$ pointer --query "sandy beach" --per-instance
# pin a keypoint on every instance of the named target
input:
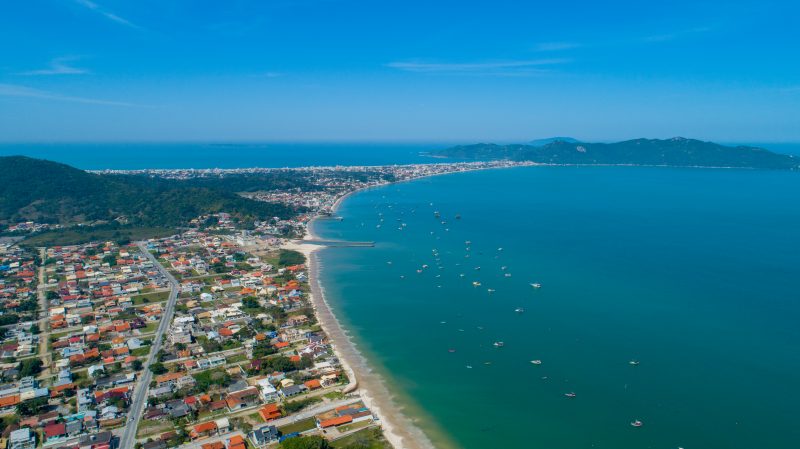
(398, 429)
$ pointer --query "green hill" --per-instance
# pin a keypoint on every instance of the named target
(676, 152)
(50, 192)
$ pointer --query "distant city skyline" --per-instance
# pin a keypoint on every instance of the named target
(412, 71)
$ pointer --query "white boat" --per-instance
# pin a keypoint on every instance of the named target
(637, 423)
(536, 285)
(498, 344)
(476, 284)
(570, 394)
(490, 290)
(519, 310)
(633, 363)
(536, 362)
(508, 275)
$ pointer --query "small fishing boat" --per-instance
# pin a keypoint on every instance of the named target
(419, 271)
(476, 284)
(477, 268)
(490, 290)
(570, 394)
(633, 363)
(637, 423)
(498, 344)
(499, 249)
(536, 362)
(503, 268)
(508, 275)
(451, 350)
(536, 285)
(467, 243)
(519, 310)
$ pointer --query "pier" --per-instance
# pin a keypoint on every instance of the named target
(338, 243)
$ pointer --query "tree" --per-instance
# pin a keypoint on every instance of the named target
(289, 257)
(137, 365)
(32, 407)
(158, 368)
(110, 260)
(30, 367)
(313, 442)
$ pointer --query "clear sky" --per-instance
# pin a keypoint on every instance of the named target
(409, 70)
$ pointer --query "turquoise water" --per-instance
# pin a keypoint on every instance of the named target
(694, 273)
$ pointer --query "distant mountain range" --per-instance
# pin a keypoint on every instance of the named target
(675, 152)
(50, 192)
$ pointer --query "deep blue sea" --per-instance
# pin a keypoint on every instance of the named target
(691, 272)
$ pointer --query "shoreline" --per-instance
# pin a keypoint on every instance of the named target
(399, 430)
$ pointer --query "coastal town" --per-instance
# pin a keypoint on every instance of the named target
(209, 338)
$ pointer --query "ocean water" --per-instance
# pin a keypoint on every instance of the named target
(694, 273)
(132, 156)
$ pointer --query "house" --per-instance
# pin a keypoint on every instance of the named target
(243, 399)
(96, 441)
(297, 320)
(236, 442)
(263, 436)
(333, 422)
(292, 390)
(313, 384)
(54, 432)
(21, 439)
(8, 404)
(268, 392)
(214, 445)
(269, 412)
(205, 429)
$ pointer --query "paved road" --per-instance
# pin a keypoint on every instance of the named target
(44, 329)
(128, 438)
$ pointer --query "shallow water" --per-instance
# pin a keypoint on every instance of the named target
(691, 272)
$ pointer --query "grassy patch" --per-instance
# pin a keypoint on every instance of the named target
(141, 352)
(151, 298)
(334, 395)
(299, 426)
(370, 438)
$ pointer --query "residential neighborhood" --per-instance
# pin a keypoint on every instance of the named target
(242, 363)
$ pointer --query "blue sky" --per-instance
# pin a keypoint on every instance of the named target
(459, 71)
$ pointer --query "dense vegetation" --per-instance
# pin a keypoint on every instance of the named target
(677, 152)
(50, 192)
